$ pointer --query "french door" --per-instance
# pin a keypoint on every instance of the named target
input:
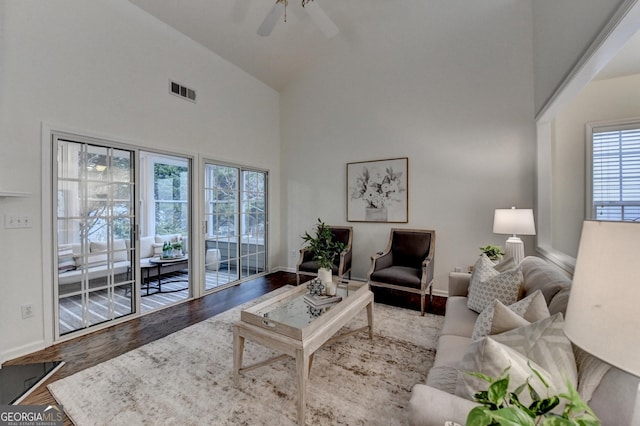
(95, 218)
(105, 270)
(235, 212)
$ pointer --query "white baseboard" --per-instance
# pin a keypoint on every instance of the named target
(22, 351)
(440, 293)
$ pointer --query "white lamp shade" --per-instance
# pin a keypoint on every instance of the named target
(514, 221)
(603, 316)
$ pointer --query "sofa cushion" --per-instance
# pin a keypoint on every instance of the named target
(146, 247)
(499, 318)
(504, 286)
(119, 249)
(491, 358)
(399, 275)
(443, 377)
(459, 319)
(91, 260)
(559, 302)
(540, 275)
(545, 343)
(450, 350)
(431, 407)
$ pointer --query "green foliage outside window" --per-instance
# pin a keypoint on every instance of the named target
(171, 194)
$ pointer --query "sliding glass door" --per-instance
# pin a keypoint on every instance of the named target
(105, 270)
(165, 188)
(95, 219)
(235, 211)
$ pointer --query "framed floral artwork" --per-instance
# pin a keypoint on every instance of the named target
(377, 191)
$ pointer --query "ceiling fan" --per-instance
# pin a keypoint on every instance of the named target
(318, 16)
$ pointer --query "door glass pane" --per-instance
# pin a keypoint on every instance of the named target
(94, 226)
(221, 206)
(253, 223)
(164, 225)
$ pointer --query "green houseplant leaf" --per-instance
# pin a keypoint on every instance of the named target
(322, 246)
(492, 252)
(503, 408)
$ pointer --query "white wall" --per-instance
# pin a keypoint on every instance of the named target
(601, 100)
(452, 90)
(562, 32)
(103, 67)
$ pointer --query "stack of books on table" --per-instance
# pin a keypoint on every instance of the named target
(321, 300)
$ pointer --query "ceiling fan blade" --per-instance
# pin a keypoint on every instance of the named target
(271, 19)
(322, 21)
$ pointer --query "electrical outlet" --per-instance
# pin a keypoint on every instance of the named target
(27, 310)
(294, 253)
(15, 222)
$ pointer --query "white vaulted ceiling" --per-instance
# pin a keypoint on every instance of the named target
(228, 28)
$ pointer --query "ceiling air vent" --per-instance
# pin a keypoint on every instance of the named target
(182, 91)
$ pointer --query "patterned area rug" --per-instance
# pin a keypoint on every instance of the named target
(186, 378)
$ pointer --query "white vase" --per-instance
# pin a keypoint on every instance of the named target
(373, 214)
(325, 275)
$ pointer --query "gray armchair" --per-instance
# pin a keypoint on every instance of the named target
(406, 264)
(341, 264)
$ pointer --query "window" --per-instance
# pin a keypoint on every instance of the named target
(613, 157)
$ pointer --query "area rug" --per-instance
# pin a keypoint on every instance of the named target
(186, 378)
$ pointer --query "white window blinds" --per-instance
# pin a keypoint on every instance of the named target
(615, 172)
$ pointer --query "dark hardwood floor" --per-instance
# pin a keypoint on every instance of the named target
(102, 345)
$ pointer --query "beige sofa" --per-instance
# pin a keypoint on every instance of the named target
(433, 403)
(71, 264)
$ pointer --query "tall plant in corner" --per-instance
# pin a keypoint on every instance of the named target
(323, 248)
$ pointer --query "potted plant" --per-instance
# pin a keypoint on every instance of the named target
(323, 249)
(177, 248)
(492, 252)
(502, 407)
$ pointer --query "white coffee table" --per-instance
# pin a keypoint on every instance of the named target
(286, 324)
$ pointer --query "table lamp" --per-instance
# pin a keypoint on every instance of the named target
(602, 314)
(514, 221)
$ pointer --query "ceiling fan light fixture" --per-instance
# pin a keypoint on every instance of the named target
(320, 18)
(272, 18)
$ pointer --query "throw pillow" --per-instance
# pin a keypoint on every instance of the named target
(504, 319)
(65, 259)
(545, 343)
(590, 372)
(490, 357)
(505, 264)
(498, 318)
(503, 286)
(119, 249)
(482, 270)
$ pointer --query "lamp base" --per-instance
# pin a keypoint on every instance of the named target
(514, 247)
